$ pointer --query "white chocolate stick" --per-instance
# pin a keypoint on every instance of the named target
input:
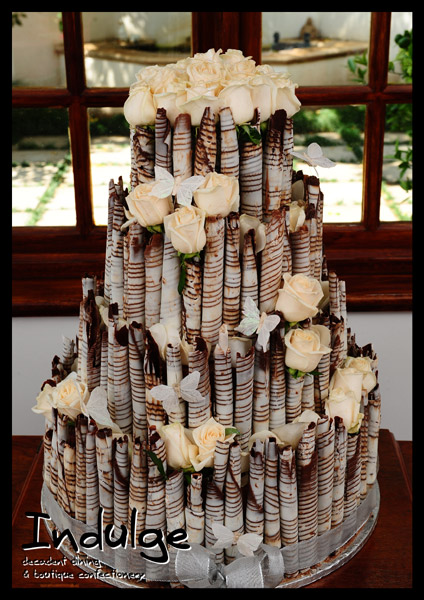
(287, 162)
(153, 375)
(205, 148)
(271, 499)
(174, 500)
(121, 474)
(170, 303)
(243, 400)
(308, 400)
(199, 411)
(137, 497)
(339, 471)
(194, 513)
(287, 490)
(325, 446)
(229, 164)
(300, 245)
(182, 148)
(255, 517)
(174, 375)
(121, 378)
(213, 277)
(81, 428)
(261, 389)
(353, 474)
(142, 155)
(163, 140)
(233, 513)
(108, 253)
(117, 254)
(192, 300)
(232, 273)
(272, 165)
(307, 484)
(249, 270)
(294, 387)
(272, 260)
(277, 386)
(251, 175)
(69, 468)
(223, 380)
(92, 477)
(153, 262)
(156, 508)
(374, 418)
(135, 288)
(137, 384)
(105, 473)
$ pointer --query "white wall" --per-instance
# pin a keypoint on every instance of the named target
(36, 340)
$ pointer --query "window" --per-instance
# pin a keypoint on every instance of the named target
(49, 259)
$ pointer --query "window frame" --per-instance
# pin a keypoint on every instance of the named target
(375, 258)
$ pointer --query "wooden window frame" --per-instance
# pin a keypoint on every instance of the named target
(374, 258)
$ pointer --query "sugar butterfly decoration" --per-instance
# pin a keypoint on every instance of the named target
(314, 156)
(168, 185)
(255, 322)
(246, 543)
(186, 390)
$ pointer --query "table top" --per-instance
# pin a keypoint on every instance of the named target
(384, 562)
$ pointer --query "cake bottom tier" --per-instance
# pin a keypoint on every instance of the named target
(292, 566)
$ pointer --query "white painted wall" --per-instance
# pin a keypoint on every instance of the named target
(36, 340)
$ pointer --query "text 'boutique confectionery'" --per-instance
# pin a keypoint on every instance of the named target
(214, 403)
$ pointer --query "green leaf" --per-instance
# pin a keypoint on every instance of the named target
(231, 430)
(183, 275)
(248, 133)
(157, 461)
(155, 228)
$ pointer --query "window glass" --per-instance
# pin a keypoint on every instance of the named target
(316, 48)
(118, 44)
(400, 53)
(42, 178)
(396, 189)
(339, 130)
(37, 50)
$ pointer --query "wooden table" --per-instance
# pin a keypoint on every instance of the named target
(384, 562)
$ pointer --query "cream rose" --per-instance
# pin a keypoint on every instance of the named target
(263, 92)
(237, 96)
(69, 396)
(344, 405)
(218, 194)
(285, 97)
(195, 100)
(348, 380)
(178, 446)
(139, 107)
(45, 402)
(363, 364)
(148, 209)
(186, 229)
(304, 349)
(205, 437)
(297, 216)
(299, 297)
(200, 70)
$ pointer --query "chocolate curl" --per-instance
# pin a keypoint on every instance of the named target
(155, 412)
(223, 380)
(121, 378)
(54, 456)
(91, 473)
(105, 473)
(353, 474)
(374, 418)
(174, 375)
(232, 273)
(137, 497)
(336, 355)
(334, 292)
(251, 175)
(339, 470)
(69, 469)
(287, 162)
(229, 164)
(198, 360)
(287, 264)
(233, 505)
(214, 513)
(277, 386)
(243, 401)
(174, 500)
(308, 400)
(343, 316)
(287, 490)
(192, 300)
(117, 256)
(62, 438)
(81, 428)
(194, 513)
(311, 224)
(104, 334)
(300, 245)
(88, 284)
(307, 486)
(271, 500)
(156, 508)
(108, 253)
(363, 432)
(294, 387)
(249, 270)
(261, 388)
(68, 354)
(153, 261)
(315, 232)
(142, 155)
(163, 140)
(272, 260)
(255, 516)
(121, 473)
(137, 384)
(205, 148)
(213, 277)
(272, 165)
(170, 303)
(325, 446)
(182, 148)
(47, 456)
(321, 383)
(91, 341)
(221, 455)
(110, 362)
(135, 287)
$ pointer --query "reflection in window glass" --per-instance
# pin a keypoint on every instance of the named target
(400, 53)
(37, 49)
(109, 155)
(42, 178)
(339, 131)
(118, 44)
(396, 189)
(316, 48)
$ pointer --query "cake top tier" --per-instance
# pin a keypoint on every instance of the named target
(213, 78)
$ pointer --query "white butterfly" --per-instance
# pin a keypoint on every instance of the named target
(246, 543)
(96, 408)
(168, 185)
(254, 322)
(170, 396)
(314, 157)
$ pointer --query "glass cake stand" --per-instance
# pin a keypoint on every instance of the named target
(333, 562)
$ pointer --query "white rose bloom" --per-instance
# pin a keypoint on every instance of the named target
(186, 229)
(363, 364)
(285, 97)
(237, 96)
(348, 380)
(178, 445)
(148, 209)
(45, 402)
(344, 405)
(139, 108)
(205, 437)
(69, 395)
(263, 92)
(298, 299)
(297, 216)
(304, 349)
(218, 194)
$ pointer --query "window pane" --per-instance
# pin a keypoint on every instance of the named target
(400, 54)
(42, 178)
(37, 49)
(317, 48)
(118, 44)
(396, 190)
(109, 155)
(339, 130)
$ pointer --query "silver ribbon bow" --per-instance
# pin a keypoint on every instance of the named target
(196, 568)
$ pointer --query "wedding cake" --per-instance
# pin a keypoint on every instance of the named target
(214, 388)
